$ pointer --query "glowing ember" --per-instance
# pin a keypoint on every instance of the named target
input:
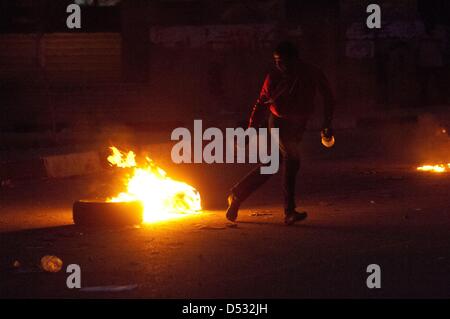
(162, 197)
(440, 168)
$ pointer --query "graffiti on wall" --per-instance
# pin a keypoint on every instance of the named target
(215, 36)
(360, 40)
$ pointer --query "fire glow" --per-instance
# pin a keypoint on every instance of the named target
(440, 168)
(163, 198)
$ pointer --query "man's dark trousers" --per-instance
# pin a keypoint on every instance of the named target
(290, 136)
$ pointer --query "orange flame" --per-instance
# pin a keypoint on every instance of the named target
(439, 168)
(162, 197)
(117, 158)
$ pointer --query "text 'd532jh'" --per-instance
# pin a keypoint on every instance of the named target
(230, 308)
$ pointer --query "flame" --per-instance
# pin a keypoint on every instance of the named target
(162, 197)
(117, 158)
(439, 168)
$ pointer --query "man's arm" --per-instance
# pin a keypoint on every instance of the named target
(259, 109)
(328, 100)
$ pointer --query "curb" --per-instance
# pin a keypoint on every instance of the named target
(91, 162)
(58, 166)
(74, 164)
(67, 165)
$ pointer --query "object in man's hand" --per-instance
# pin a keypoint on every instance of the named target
(327, 137)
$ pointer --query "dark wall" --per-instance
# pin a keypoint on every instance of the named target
(189, 58)
(135, 40)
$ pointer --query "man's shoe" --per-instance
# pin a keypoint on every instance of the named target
(233, 207)
(293, 217)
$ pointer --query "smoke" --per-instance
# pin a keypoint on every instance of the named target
(421, 139)
(431, 141)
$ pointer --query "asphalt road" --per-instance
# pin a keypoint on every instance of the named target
(361, 212)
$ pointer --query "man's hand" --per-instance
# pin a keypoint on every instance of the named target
(327, 133)
(327, 137)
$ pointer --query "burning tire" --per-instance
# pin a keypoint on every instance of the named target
(100, 213)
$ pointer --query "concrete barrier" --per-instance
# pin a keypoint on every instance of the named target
(72, 164)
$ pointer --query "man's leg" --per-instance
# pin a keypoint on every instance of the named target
(246, 186)
(290, 168)
(243, 189)
(290, 138)
(249, 183)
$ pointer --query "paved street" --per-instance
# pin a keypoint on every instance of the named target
(361, 212)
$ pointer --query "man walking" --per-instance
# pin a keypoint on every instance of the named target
(288, 96)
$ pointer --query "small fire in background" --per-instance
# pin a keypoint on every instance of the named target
(163, 198)
(439, 168)
(442, 132)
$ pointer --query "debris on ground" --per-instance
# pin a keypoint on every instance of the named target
(120, 288)
(18, 267)
(208, 227)
(261, 213)
(368, 172)
(395, 178)
(26, 270)
(51, 263)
